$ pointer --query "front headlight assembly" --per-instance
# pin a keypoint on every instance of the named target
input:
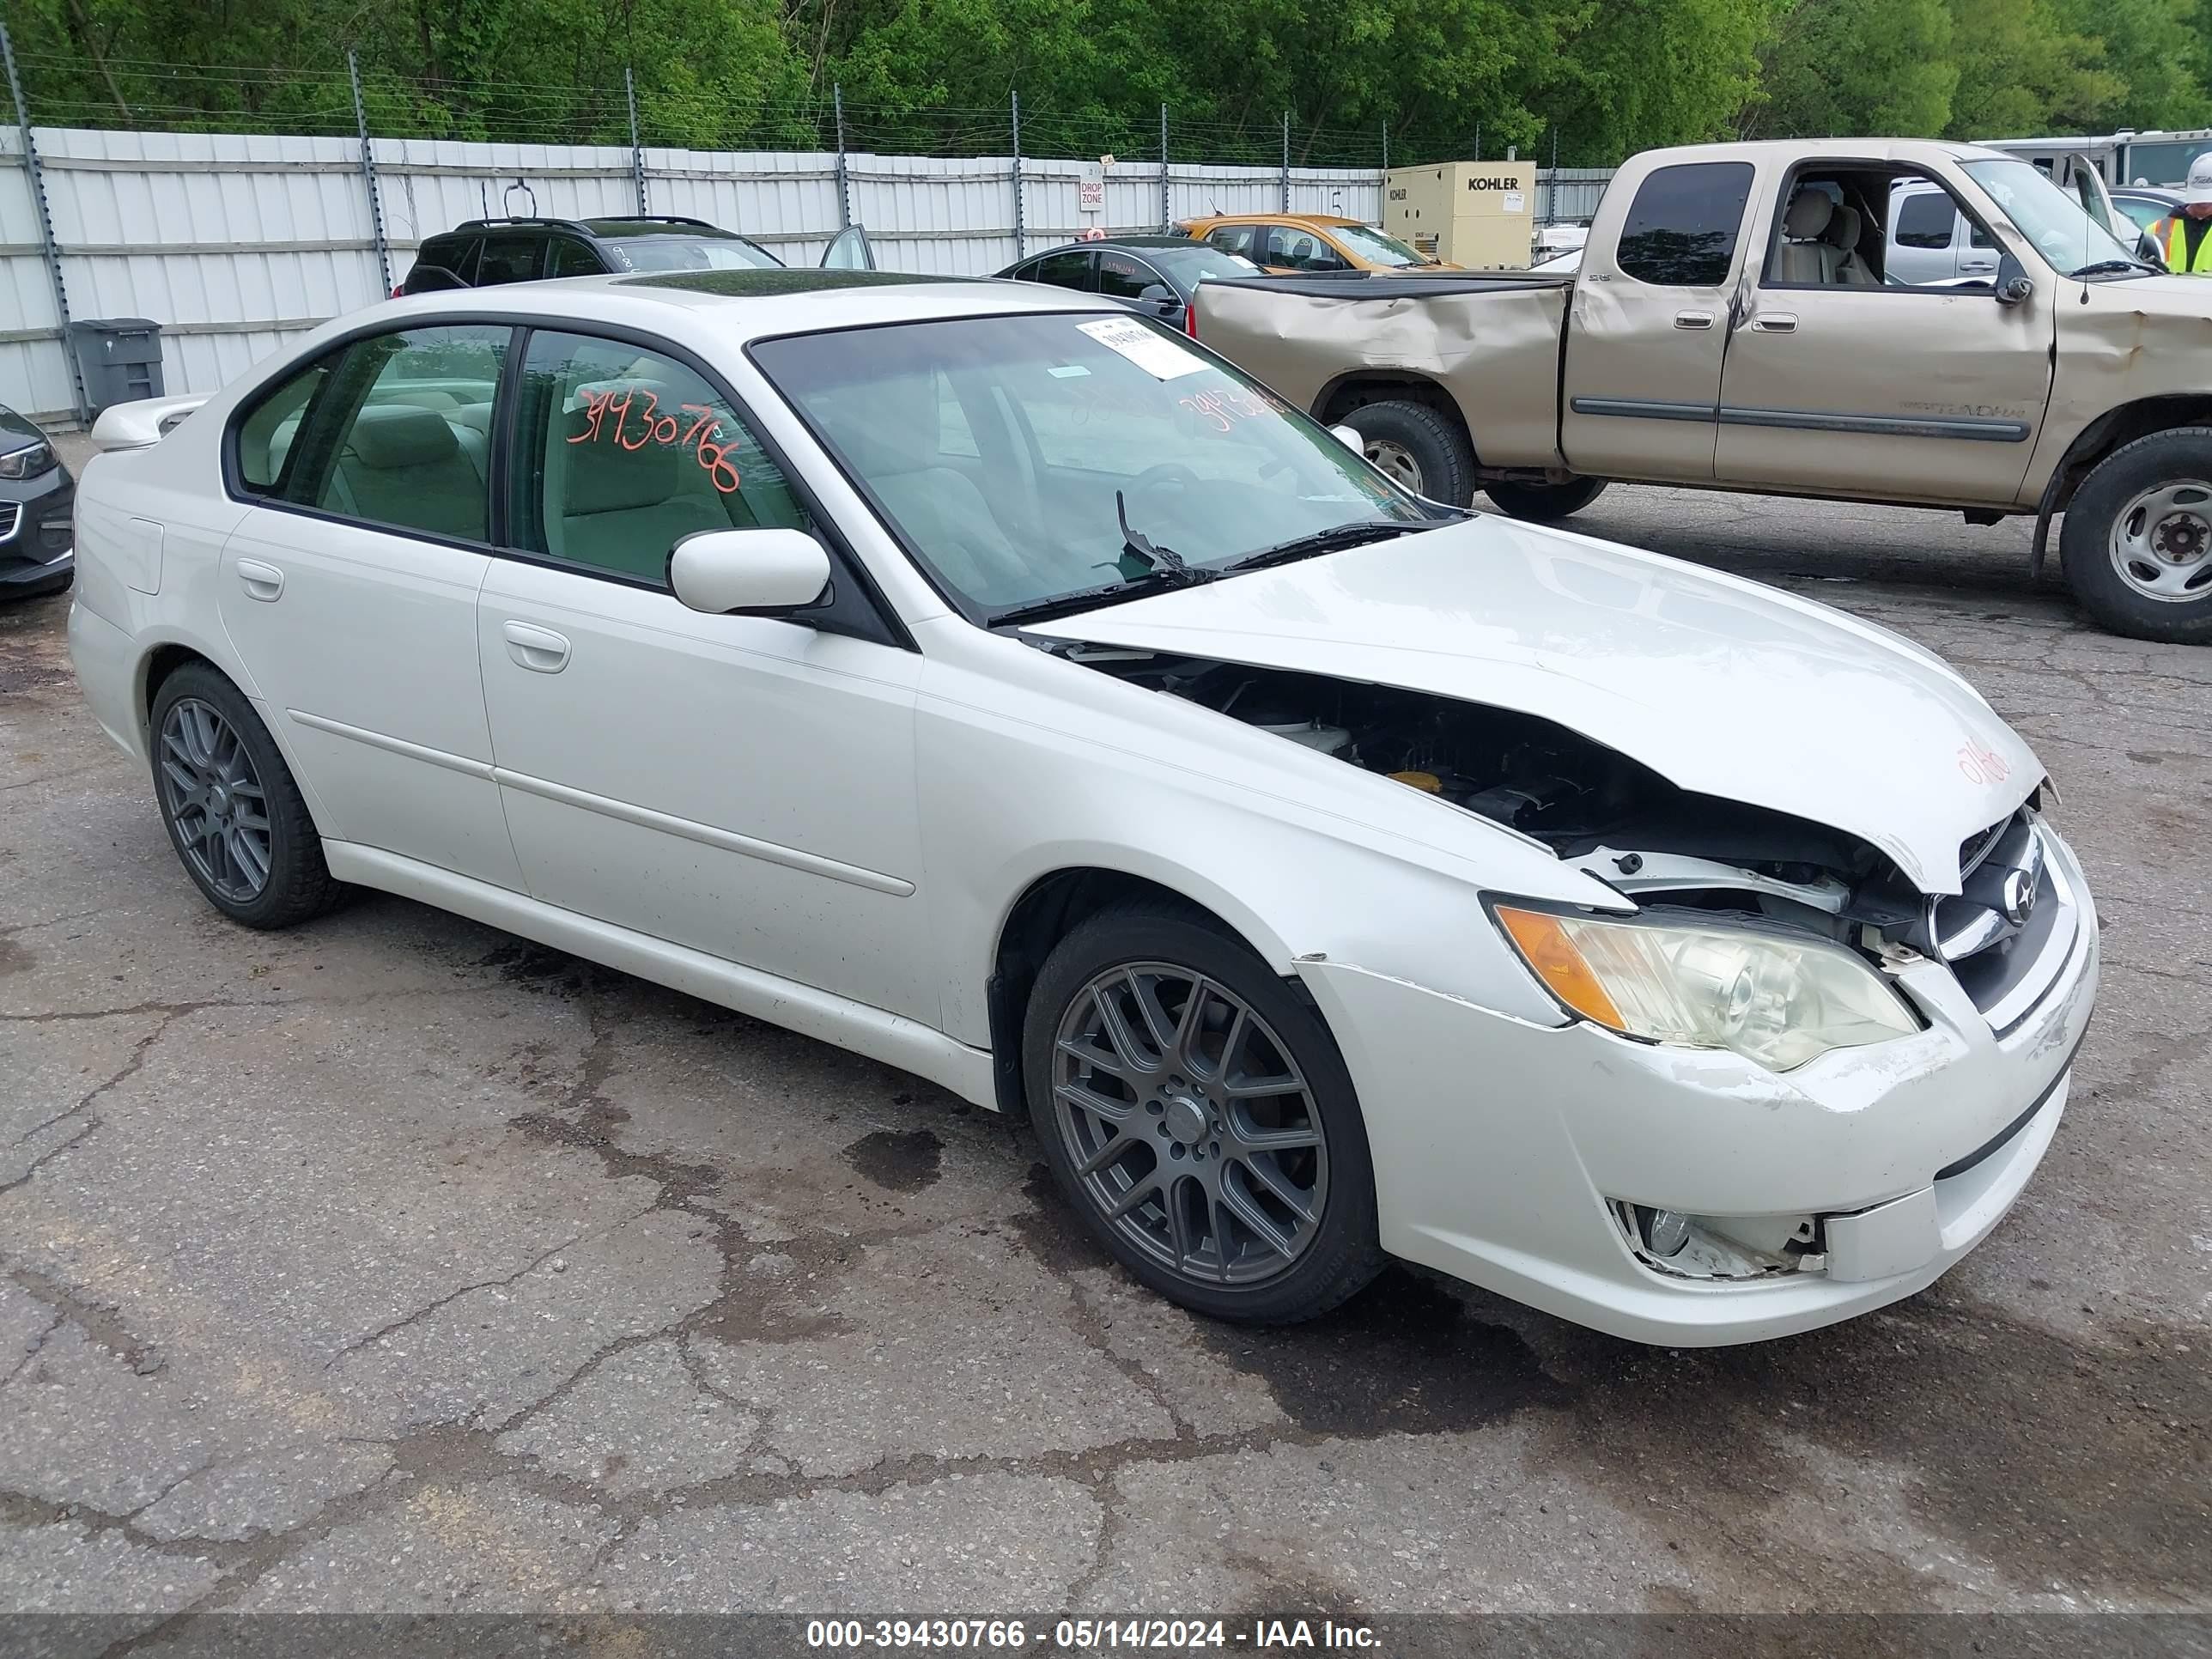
(1773, 999)
(27, 462)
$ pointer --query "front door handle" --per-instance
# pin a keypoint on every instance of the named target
(1973, 267)
(1693, 319)
(262, 581)
(1775, 322)
(539, 649)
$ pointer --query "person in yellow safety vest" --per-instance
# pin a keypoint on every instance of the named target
(2184, 236)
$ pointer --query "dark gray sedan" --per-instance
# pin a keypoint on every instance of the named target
(37, 500)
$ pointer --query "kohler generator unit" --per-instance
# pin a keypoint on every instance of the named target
(1480, 214)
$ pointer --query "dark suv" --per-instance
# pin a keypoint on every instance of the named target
(484, 252)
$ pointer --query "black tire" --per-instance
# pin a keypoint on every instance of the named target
(1341, 1253)
(297, 885)
(2086, 537)
(1541, 503)
(1423, 450)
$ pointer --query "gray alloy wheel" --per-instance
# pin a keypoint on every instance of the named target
(1397, 460)
(214, 797)
(1188, 1124)
(2162, 542)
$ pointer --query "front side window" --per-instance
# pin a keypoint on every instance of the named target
(1682, 228)
(1301, 249)
(402, 436)
(620, 454)
(1064, 414)
(509, 260)
(1127, 278)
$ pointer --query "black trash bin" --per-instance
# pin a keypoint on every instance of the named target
(121, 357)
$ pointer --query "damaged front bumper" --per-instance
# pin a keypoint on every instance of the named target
(1513, 1155)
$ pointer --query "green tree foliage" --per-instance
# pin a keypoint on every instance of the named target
(2022, 71)
(1856, 66)
(1599, 78)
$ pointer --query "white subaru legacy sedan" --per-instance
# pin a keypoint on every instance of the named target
(991, 681)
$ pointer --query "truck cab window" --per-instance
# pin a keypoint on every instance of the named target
(1682, 228)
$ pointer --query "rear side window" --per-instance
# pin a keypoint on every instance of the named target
(1237, 239)
(1682, 228)
(1062, 270)
(620, 454)
(509, 260)
(400, 436)
(268, 436)
(1925, 221)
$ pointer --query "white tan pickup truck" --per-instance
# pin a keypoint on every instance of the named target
(1733, 326)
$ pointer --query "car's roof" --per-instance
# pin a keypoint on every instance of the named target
(655, 228)
(741, 305)
(1853, 149)
(1273, 219)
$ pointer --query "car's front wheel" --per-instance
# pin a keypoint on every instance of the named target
(1417, 447)
(233, 814)
(1196, 1112)
(2136, 540)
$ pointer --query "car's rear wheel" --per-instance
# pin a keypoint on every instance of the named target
(233, 814)
(1196, 1112)
(1419, 448)
(1541, 503)
(2136, 540)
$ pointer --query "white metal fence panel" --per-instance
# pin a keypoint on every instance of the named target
(785, 200)
(236, 243)
(1566, 194)
(228, 241)
(34, 375)
(938, 216)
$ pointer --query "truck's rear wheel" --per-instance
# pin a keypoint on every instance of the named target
(1543, 503)
(2136, 540)
(1424, 451)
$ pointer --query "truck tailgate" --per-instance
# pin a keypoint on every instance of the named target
(1493, 343)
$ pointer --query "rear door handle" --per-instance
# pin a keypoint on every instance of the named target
(1693, 319)
(539, 649)
(262, 581)
(1775, 322)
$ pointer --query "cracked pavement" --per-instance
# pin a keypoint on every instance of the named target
(394, 1264)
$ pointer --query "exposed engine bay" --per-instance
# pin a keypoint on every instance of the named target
(1593, 805)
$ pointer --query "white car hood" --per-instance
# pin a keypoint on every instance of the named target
(1720, 685)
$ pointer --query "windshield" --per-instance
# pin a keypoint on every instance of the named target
(995, 446)
(692, 253)
(2056, 222)
(1377, 249)
(1199, 263)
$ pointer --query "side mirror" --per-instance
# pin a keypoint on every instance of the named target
(1349, 436)
(2012, 286)
(755, 573)
(1162, 297)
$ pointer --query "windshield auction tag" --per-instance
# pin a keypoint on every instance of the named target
(1157, 355)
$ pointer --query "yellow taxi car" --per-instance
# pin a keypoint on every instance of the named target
(1281, 242)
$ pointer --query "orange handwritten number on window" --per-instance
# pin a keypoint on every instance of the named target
(659, 428)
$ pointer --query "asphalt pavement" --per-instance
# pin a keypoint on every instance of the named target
(395, 1263)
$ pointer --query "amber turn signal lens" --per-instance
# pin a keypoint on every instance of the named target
(1544, 944)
